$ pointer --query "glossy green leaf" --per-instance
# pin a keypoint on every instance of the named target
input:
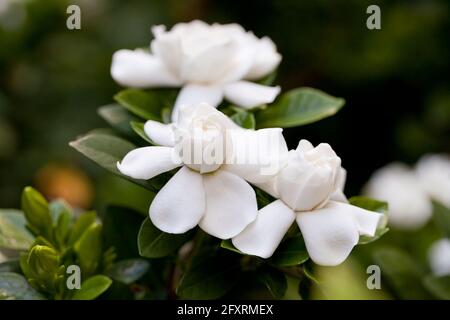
(62, 228)
(298, 107)
(13, 231)
(36, 211)
(274, 280)
(145, 104)
(107, 150)
(244, 119)
(80, 226)
(129, 271)
(13, 286)
(89, 248)
(118, 118)
(153, 243)
(227, 244)
(402, 272)
(291, 252)
(92, 288)
(438, 286)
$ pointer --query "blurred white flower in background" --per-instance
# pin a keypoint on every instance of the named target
(434, 174)
(439, 257)
(397, 184)
(309, 190)
(410, 191)
(209, 62)
(12, 14)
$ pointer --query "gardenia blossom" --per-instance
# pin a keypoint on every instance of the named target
(439, 257)
(410, 207)
(433, 171)
(211, 194)
(209, 62)
(309, 191)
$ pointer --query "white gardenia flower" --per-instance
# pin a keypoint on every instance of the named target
(309, 191)
(410, 207)
(433, 171)
(211, 194)
(209, 62)
(439, 257)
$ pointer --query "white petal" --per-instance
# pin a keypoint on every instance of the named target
(180, 204)
(367, 221)
(266, 60)
(257, 156)
(140, 69)
(263, 235)
(230, 205)
(269, 186)
(145, 163)
(439, 257)
(330, 233)
(192, 95)
(248, 94)
(160, 133)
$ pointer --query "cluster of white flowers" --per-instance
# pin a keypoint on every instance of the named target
(409, 191)
(211, 62)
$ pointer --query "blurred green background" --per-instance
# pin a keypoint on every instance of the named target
(395, 81)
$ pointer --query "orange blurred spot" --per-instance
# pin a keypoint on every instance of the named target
(66, 182)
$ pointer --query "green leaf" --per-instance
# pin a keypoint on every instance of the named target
(89, 248)
(274, 280)
(57, 208)
(92, 288)
(13, 231)
(227, 244)
(145, 104)
(62, 215)
(438, 286)
(369, 204)
(36, 211)
(107, 150)
(209, 278)
(81, 224)
(376, 206)
(129, 271)
(118, 118)
(402, 273)
(441, 218)
(153, 243)
(138, 128)
(13, 286)
(244, 119)
(291, 252)
(298, 107)
(269, 79)
(120, 228)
